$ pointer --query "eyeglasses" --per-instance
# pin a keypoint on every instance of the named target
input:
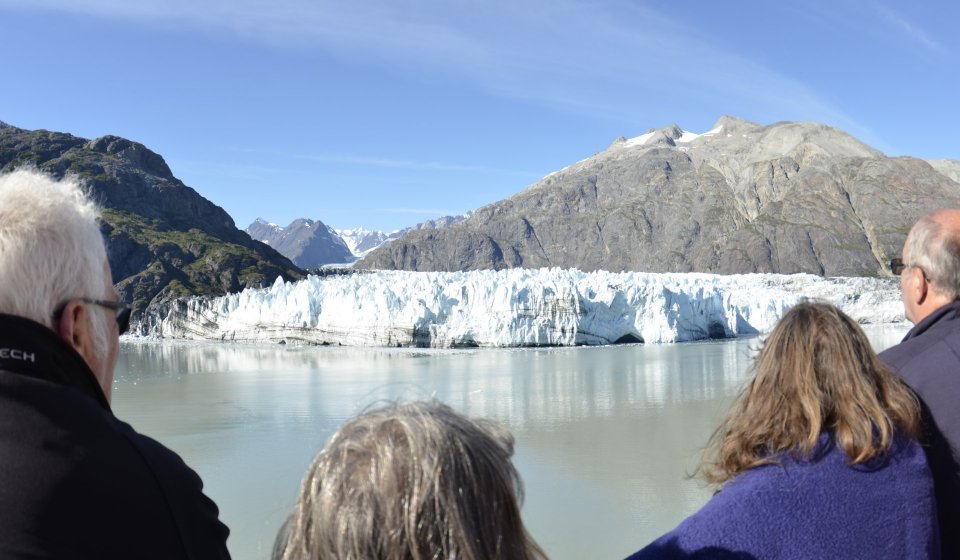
(123, 311)
(897, 267)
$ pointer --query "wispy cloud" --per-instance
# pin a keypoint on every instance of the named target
(412, 164)
(388, 162)
(436, 212)
(603, 59)
(232, 170)
(909, 28)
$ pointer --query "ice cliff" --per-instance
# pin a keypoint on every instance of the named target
(516, 307)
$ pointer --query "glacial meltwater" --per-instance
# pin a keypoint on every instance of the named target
(606, 436)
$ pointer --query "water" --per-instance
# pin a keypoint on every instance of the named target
(605, 436)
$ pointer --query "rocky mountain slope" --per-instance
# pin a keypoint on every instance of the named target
(308, 243)
(311, 244)
(787, 197)
(164, 240)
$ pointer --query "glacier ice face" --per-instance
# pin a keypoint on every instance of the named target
(516, 307)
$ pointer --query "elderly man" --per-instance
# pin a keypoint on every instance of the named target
(76, 482)
(928, 359)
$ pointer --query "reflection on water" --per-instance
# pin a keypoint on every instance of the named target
(605, 435)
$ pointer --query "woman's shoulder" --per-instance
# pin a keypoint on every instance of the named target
(827, 486)
(803, 504)
(830, 461)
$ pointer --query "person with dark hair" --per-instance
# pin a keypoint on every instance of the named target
(76, 481)
(928, 358)
(817, 457)
(410, 482)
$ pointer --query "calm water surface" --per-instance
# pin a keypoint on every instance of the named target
(605, 436)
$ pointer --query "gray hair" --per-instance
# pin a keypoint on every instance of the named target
(51, 248)
(411, 481)
(935, 249)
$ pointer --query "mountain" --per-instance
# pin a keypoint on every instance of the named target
(743, 197)
(164, 240)
(361, 241)
(312, 244)
(308, 243)
(949, 167)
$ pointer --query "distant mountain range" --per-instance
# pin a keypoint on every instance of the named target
(308, 243)
(312, 244)
(743, 197)
(164, 240)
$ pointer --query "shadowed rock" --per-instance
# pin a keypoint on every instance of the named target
(164, 240)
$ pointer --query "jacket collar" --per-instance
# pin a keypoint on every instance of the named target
(28, 348)
(945, 313)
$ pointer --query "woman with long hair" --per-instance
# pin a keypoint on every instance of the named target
(816, 458)
(412, 481)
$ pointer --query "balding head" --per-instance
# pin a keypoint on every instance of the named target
(931, 254)
(934, 246)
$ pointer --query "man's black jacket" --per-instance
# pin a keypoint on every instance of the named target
(76, 482)
(928, 360)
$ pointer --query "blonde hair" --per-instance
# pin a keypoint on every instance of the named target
(411, 481)
(816, 372)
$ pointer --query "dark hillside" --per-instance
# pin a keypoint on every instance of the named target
(164, 240)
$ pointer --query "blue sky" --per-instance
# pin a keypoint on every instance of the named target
(386, 113)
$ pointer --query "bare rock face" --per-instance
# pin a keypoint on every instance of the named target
(308, 243)
(949, 167)
(786, 198)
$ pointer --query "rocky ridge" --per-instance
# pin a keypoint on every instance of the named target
(308, 243)
(362, 241)
(164, 240)
(312, 244)
(743, 197)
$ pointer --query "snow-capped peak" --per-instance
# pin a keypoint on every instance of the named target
(690, 136)
(263, 222)
(639, 140)
(685, 137)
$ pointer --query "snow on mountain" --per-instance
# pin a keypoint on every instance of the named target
(691, 136)
(264, 228)
(638, 141)
(514, 307)
(684, 137)
(361, 240)
(742, 197)
(308, 243)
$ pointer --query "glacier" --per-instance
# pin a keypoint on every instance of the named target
(514, 307)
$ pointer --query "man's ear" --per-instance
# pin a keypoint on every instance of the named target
(74, 328)
(918, 286)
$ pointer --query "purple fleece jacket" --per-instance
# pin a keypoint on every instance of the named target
(820, 508)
